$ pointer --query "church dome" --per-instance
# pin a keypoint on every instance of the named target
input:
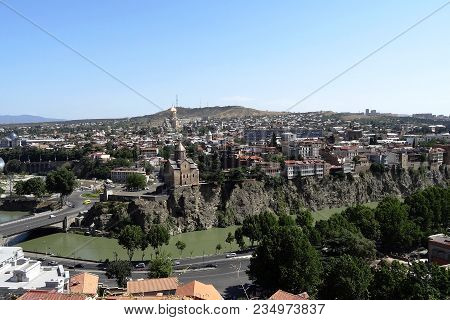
(2, 165)
(12, 136)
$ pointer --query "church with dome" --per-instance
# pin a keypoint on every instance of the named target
(181, 171)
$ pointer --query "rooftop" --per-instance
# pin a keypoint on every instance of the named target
(199, 290)
(152, 285)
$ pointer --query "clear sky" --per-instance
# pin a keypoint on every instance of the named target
(263, 54)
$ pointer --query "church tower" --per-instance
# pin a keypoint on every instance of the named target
(180, 152)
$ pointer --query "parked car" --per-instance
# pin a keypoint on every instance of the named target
(231, 255)
(79, 266)
(52, 263)
(140, 265)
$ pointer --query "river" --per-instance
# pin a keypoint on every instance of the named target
(6, 216)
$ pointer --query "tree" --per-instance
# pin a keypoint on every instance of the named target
(143, 245)
(286, 260)
(157, 236)
(13, 166)
(304, 218)
(397, 232)
(61, 181)
(286, 220)
(2, 191)
(363, 218)
(131, 239)
(388, 281)
(218, 248)
(119, 269)
(229, 239)
(136, 181)
(180, 246)
(251, 229)
(347, 278)
(239, 238)
(34, 186)
(339, 236)
(19, 188)
(160, 267)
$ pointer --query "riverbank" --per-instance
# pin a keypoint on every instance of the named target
(198, 243)
(7, 216)
(76, 246)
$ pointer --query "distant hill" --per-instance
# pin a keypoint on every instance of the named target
(8, 119)
(211, 112)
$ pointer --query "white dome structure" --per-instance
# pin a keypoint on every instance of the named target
(2, 165)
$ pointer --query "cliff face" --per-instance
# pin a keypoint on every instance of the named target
(206, 206)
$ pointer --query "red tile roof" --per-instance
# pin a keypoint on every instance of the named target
(152, 285)
(283, 295)
(50, 295)
(198, 290)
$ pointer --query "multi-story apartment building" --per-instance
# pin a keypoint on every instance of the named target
(120, 175)
(306, 168)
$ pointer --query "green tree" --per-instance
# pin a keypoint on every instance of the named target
(35, 186)
(131, 239)
(160, 267)
(19, 187)
(347, 278)
(218, 248)
(397, 232)
(136, 181)
(143, 245)
(388, 281)
(61, 181)
(286, 260)
(363, 218)
(13, 166)
(229, 239)
(251, 229)
(157, 236)
(304, 218)
(239, 238)
(285, 220)
(120, 270)
(180, 246)
(339, 236)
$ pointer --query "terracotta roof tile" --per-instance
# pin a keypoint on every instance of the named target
(199, 290)
(50, 295)
(152, 285)
(283, 295)
(85, 283)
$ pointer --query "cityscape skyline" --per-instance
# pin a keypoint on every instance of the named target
(222, 54)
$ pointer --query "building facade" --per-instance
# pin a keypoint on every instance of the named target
(181, 171)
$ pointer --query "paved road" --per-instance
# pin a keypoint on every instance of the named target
(44, 219)
(226, 274)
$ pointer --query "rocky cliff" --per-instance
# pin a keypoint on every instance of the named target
(206, 206)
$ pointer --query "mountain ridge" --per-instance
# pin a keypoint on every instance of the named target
(24, 118)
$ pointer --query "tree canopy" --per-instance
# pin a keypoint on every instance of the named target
(131, 239)
(286, 260)
(61, 181)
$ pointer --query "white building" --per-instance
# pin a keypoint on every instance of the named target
(19, 274)
(120, 175)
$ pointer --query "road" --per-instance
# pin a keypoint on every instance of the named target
(226, 274)
(44, 219)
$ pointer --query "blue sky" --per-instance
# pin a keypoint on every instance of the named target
(263, 54)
